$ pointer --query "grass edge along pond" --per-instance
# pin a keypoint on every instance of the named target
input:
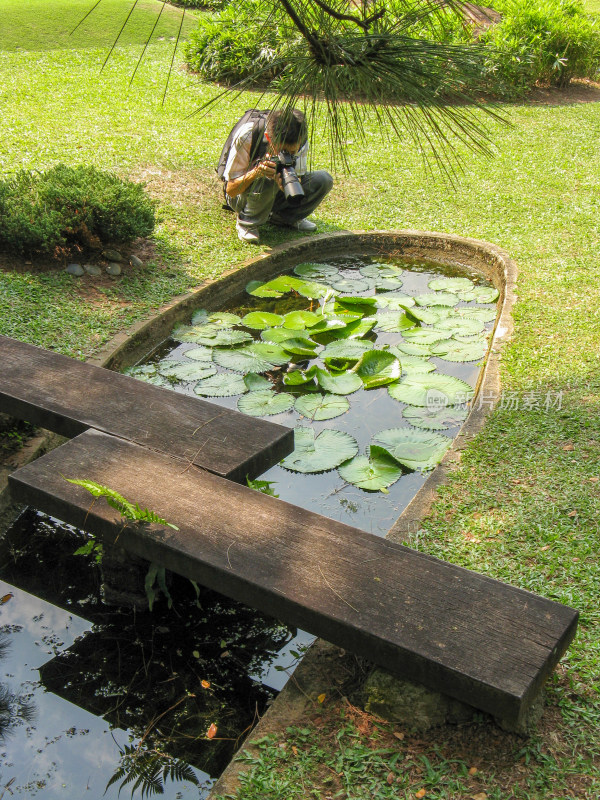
(532, 520)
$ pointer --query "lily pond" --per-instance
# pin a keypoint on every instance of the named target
(373, 363)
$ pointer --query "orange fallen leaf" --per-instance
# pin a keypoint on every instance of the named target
(545, 547)
(479, 796)
(212, 731)
(294, 750)
(5, 598)
(390, 778)
(421, 793)
(572, 514)
(205, 684)
(321, 698)
(473, 770)
(594, 480)
(398, 735)
(568, 447)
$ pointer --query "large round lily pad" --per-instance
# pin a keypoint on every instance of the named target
(454, 350)
(259, 320)
(432, 390)
(265, 402)
(436, 299)
(319, 453)
(413, 449)
(394, 301)
(200, 354)
(381, 271)
(225, 384)
(183, 371)
(316, 272)
(423, 336)
(321, 406)
(435, 419)
(373, 473)
(480, 294)
(453, 285)
(346, 383)
(257, 357)
(346, 350)
(394, 322)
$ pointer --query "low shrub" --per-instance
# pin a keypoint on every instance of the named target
(543, 42)
(46, 212)
(538, 42)
(229, 46)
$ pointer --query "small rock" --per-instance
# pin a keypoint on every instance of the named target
(92, 269)
(75, 269)
(114, 269)
(112, 255)
(135, 261)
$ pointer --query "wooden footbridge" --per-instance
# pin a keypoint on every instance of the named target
(481, 641)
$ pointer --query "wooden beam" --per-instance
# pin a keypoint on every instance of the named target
(69, 396)
(464, 634)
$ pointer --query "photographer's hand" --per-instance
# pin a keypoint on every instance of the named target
(264, 169)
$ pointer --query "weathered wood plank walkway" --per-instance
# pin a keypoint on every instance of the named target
(68, 396)
(474, 638)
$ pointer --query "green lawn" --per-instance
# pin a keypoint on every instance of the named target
(524, 504)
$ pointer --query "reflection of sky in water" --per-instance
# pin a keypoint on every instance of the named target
(65, 752)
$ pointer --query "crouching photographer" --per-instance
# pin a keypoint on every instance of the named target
(263, 167)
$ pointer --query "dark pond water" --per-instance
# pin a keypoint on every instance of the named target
(94, 693)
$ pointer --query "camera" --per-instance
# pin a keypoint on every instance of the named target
(292, 188)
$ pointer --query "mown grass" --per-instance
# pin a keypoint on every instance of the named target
(524, 503)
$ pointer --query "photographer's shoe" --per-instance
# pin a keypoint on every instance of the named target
(247, 234)
(304, 225)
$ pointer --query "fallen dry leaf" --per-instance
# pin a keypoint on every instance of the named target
(479, 796)
(205, 684)
(321, 698)
(572, 514)
(212, 731)
(5, 598)
(398, 735)
(390, 778)
(594, 480)
(473, 770)
(545, 547)
(294, 750)
(568, 448)
(421, 793)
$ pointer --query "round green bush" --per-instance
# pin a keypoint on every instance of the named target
(45, 212)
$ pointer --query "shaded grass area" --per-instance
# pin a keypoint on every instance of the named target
(523, 504)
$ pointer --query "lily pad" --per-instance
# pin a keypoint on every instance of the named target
(317, 272)
(346, 350)
(200, 317)
(321, 453)
(378, 368)
(321, 406)
(480, 313)
(259, 320)
(423, 336)
(388, 284)
(279, 335)
(222, 319)
(346, 383)
(199, 354)
(359, 305)
(255, 382)
(394, 301)
(431, 390)
(186, 372)
(414, 365)
(301, 378)
(435, 419)
(225, 384)
(453, 285)
(258, 357)
(299, 347)
(394, 322)
(374, 473)
(427, 315)
(357, 328)
(299, 320)
(459, 326)
(351, 285)
(410, 349)
(413, 449)
(480, 294)
(265, 402)
(261, 289)
(217, 337)
(436, 299)
(381, 271)
(454, 350)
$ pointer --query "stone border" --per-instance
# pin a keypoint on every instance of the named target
(320, 667)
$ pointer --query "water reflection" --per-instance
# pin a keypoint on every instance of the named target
(124, 693)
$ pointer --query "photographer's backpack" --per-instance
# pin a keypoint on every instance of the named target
(259, 120)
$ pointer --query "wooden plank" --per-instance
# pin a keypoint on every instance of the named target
(68, 396)
(474, 638)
